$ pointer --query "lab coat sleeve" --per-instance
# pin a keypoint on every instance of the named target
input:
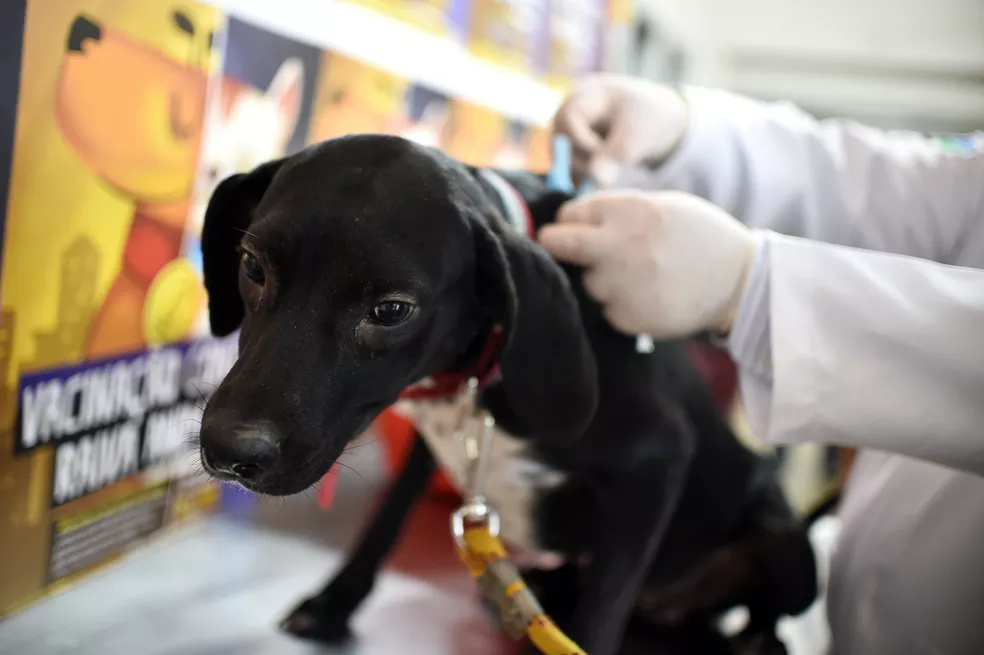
(775, 167)
(896, 364)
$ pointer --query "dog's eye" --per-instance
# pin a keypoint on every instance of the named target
(391, 312)
(253, 269)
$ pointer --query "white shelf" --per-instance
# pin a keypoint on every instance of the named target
(395, 46)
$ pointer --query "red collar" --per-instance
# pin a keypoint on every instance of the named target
(447, 383)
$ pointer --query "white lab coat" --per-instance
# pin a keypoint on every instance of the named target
(880, 351)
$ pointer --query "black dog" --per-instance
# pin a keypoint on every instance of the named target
(366, 264)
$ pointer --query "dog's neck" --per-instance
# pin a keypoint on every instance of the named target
(526, 204)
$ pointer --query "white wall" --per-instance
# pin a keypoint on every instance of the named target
(917, 63)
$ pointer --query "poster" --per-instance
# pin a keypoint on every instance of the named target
(577, 32)
(427, 117)
(509, 32)
(259, 108)
(475, 134)
(539, 149)
(354, 97)
(127, 116)
(101, 377)
(443, 17)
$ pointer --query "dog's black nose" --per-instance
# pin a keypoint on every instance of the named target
(244, 451)
(82, 30)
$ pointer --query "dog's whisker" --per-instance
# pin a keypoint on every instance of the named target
(354, 447)
(246, 232)
(203, 396)
(366, 482)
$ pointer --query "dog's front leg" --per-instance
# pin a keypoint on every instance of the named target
(636, 509)
(325, 616)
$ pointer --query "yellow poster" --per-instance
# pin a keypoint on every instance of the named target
(475, 134)
(538, 149)
(621, 12)
(576, 39)
(109, 121)
(354, 97)
(108, 134)
(431, 15)
(508, 32)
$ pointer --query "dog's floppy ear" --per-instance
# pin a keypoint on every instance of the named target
(549, 372)
(229, 213)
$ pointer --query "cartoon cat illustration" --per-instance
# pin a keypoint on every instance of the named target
(246, 126)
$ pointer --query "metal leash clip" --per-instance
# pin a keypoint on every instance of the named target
(475, 526)
(477, 447)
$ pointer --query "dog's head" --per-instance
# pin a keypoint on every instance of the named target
(354, 269)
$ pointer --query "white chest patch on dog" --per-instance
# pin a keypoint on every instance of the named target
(515, 478)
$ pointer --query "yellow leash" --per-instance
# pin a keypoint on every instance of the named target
(486, 560)
(475, 526)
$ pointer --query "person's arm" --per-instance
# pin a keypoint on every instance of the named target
(839, 345)
(869, 349)
(834, 344)
(773, 166)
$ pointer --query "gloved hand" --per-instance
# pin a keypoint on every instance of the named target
(618, 123)
(663, 263)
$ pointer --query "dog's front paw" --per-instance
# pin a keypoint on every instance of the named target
(320, 619)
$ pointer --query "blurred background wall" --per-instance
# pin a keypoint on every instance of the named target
(894, 63)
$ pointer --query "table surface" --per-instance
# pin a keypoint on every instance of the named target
(222, 585)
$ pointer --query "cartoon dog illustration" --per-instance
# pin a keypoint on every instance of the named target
(538, 149)
(476, 135)
(134, 115)
(354, 97)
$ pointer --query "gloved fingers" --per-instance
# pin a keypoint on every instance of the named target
(615, 207)
(622, 319)
(573, 121)
(583, 245)
(622, 146)
(598, 284)
(587, 210)
(604, 170)
(585, 113)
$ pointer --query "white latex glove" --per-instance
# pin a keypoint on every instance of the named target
(663, 263)
(618, 123)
